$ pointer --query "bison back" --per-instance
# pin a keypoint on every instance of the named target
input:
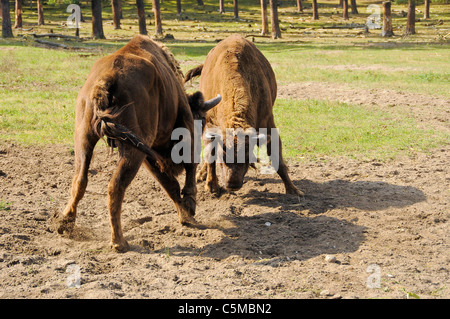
(238, 71)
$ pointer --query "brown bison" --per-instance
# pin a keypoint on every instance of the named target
(136, 98)
(241, 74)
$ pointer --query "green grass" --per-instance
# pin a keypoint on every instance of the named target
(421, 69)
(38, 89)
(38, 86)
(5, 205)
(317, 128)
(39, 117)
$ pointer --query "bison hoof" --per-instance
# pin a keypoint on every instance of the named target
(189, 204)
(186, 211)
(187, 220)
(213, 188)
(65, 227)
(201, 176)
(120, 247)
(294, 191)
(62, 224)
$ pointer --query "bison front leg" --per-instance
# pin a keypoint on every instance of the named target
(201, 174)
(189, 191)
(126, 171)
(212, 183)
(84, 146)
(185, 206)
(282, 168)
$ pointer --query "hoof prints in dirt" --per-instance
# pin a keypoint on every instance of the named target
(256, 242)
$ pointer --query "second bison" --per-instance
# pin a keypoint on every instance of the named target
(240, 73)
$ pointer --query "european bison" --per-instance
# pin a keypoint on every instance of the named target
(136, 98)
(241, 74)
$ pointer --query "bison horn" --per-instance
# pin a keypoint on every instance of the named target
(259, 136)
(211, 135)
(262, 138)
(212, 102)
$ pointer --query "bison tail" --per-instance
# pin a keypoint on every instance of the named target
(120, 133)
(106, 111)
(193, 73)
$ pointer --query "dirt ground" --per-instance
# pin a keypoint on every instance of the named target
(365, 229)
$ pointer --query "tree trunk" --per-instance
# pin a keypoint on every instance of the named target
(157, 12)
(411, 18)
(40, 13)
(426, 14)
(116, 13)
(276, 33)
(97, 24)
(236, 9)
(299, 6)
(221, 6)
(264, 22)
(18, 20)
(387, 20)
(345, 10)
(315, 10)
(141, 16)
(200, 2)
(178, 7)
(6, 20)
(354, 7)
(341, 4)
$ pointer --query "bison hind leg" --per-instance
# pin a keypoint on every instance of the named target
(185, 206)
(127, 169)
(84, 147)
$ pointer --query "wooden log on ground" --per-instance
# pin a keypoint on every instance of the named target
(52, 44)
(55, 35)
(60, 45)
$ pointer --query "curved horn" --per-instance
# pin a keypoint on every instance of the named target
(212, 102)
(259, 136)
(211, 135)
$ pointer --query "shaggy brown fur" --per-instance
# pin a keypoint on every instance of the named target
(135, 97)
(240, 73)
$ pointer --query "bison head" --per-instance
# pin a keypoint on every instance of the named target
(233, 153)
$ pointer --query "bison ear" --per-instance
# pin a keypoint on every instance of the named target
(211, 103)
(196, 101)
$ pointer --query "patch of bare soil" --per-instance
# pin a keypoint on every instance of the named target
(386, 225)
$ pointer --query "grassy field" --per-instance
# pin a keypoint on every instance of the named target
(315, 128)
(38, 85)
